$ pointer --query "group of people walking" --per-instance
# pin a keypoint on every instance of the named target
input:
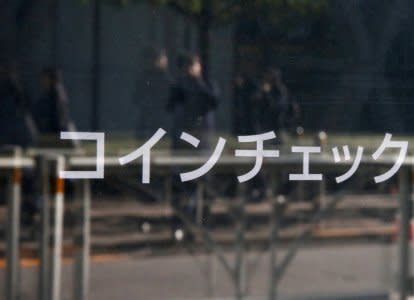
(190, 99)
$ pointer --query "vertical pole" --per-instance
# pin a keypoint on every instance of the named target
(274, 229)
(240, 243)
(168, 190)
(301, 193)
(404, 232)
(199, 220)
(200, 203)
(274, 224)
(322, 198)
(43, 190)
(82, 263)
(58, 232)
(13, 225)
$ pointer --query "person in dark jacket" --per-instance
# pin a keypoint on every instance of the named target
(17, 129)
(152, 90)
(191, 102)
(244, 89)
(16, 124)
(52, 109)
(270, 106)
(271, 102)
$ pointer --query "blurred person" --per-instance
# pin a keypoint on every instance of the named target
(192, 102)
(17, 129)
(244, 89)
(51, 111)
(293, 118)
(271, 109)
(16, 123)
(152, 90)
(52, 108)
(271, 102)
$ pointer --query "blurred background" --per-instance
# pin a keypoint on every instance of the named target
(319, 73)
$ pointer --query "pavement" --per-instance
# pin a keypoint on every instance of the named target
(338, 272)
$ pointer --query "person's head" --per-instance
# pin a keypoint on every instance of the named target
(50, 77)
(161, 61)
(157, 58)
(239, 80)
(273, 76)
(190, 64)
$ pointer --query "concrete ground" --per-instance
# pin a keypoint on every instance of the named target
(333, 271)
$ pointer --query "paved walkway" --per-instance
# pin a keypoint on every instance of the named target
(321, 271)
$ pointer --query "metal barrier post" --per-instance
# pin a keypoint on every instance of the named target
(43, 189)
(404, 232)
(273, 236)
(274, 231)
(322, 199)
(239, 269)
(82, 246)
(13, 230)
(58, 232)
(200, 203)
